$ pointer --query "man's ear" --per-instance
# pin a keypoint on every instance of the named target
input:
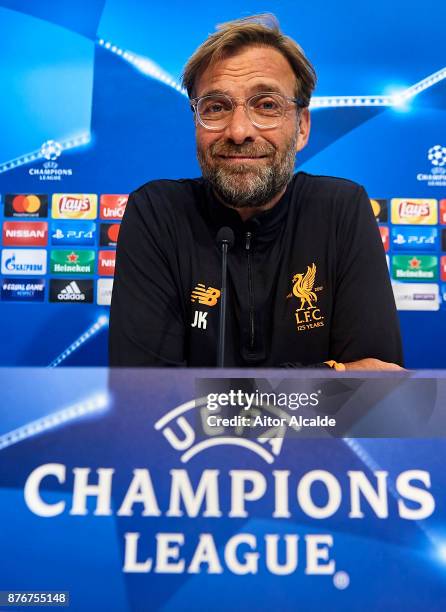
(303, 129)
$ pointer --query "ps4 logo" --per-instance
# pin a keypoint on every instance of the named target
(414, 238)
(73, 233)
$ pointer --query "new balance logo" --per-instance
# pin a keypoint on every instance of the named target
(206, 297)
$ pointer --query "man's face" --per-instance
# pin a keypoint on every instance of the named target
(246, 165)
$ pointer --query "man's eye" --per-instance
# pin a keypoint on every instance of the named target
(213, 107)
(267, 105)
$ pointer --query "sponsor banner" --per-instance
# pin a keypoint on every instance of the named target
(73, 291)
(22, 289)
(416, 296)
(104, 291)
(414, 211)
(384, 231)
(26, 205)
(443, 267)
(112, 206)
(106, 263)
(25, 233)
(74, 206)
(442, 206)
(109, 234)
(380, 210)
(72, 262)
(414, 238)
(415, 267)
(24, 261)
(74, 233)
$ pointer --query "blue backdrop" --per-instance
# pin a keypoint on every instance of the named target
(91, 105)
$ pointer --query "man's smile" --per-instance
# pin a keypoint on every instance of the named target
(242, 158)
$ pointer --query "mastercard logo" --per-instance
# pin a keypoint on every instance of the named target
(109, 233)
(113, 232)
(26, 203)
(379, 208)
(376, 207)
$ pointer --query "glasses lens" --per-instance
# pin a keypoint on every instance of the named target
(214, 111)
(266, 109)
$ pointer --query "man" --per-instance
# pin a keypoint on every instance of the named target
(307, 278)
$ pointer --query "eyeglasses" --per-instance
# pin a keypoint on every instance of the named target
(265, 110)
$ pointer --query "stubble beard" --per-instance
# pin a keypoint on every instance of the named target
(248, 185)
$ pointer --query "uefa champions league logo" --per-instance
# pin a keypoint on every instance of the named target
(437, 155)
(436, 177)
(50, 170)
(51, 150)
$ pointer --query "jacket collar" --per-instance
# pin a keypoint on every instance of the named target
(264, 226)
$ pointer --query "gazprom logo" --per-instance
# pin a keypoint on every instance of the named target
(23, 261)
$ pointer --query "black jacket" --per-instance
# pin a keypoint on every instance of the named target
(307, 280)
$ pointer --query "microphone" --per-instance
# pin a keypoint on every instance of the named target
(225, 240)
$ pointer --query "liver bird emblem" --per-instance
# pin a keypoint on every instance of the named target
(303, 287)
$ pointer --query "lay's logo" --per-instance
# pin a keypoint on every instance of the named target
(74, 206)
(414, 212)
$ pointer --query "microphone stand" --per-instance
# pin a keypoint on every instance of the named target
(225, 239)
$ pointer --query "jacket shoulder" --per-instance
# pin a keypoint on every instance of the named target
(168, 192)
(332, 186)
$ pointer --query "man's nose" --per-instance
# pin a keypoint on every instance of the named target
(240, 127)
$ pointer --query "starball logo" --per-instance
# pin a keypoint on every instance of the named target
(436, 176)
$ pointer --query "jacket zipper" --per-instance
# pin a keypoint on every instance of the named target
(250, 291)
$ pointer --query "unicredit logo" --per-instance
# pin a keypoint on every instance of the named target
(409, 209)
(113, 213)
(72, 204)
(113, 206)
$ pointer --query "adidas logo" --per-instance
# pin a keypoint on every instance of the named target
(71, 293)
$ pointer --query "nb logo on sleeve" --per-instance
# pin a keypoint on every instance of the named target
(206, 297)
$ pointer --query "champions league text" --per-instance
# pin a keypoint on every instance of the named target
(356, 494)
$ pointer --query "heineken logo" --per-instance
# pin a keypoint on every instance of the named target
(415, 267)
(72, 261)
